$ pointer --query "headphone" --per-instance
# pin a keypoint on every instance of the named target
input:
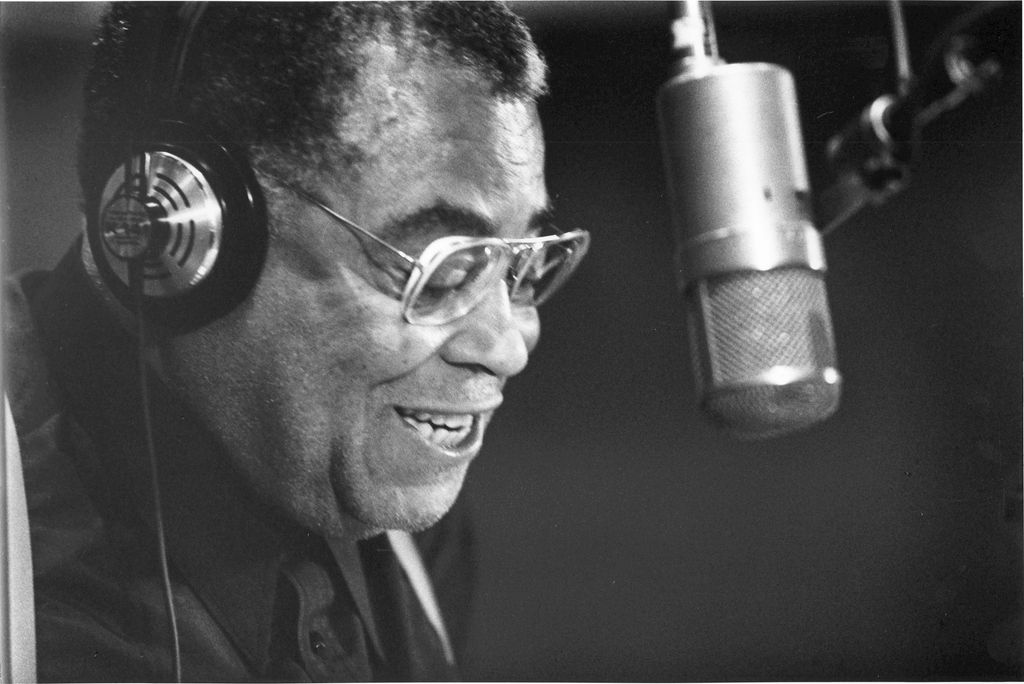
(172, 206)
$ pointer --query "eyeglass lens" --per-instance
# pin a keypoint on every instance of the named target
(462, 278)
(457, 283)
(540, 272)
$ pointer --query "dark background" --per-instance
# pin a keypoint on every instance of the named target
(623, 538)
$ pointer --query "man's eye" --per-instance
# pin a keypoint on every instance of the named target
(454, 272)
(448, 279)
(524, 293)
(538, 273)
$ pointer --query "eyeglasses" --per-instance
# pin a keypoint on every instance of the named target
(454, 273)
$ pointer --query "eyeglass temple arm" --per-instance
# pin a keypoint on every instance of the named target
(341, 219)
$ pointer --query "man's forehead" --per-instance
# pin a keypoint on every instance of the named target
(431, 94)
(440, 153)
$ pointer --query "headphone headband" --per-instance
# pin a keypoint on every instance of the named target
(188, 16)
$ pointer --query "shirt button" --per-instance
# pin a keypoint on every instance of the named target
(317, 643)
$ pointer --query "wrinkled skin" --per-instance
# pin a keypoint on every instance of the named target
(301, 383)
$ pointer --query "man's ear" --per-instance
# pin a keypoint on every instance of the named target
(189, 214)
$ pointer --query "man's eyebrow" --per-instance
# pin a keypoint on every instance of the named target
(455, 220)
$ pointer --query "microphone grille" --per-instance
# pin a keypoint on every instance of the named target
(764, 351)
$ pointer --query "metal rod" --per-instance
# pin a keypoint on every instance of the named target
(901, 48)
(693, 33)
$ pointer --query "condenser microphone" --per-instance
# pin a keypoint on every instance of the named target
(750, 262)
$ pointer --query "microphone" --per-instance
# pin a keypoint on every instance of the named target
(750, 263)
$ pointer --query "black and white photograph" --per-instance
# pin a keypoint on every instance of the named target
(541, 340)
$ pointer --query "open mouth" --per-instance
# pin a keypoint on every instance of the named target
(449, 431)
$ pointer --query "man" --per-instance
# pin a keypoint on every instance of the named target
(221, 516)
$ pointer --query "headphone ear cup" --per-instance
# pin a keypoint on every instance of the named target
(191, 210)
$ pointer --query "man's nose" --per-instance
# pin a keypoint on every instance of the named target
(494, 335)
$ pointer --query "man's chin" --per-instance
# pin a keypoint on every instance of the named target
(411, 509)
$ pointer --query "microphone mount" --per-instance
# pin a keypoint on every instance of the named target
(872, 156)
(694, 40)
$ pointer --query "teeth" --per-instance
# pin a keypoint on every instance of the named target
(445, 430)
(448, 421)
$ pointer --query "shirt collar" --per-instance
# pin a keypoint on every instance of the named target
(228, 546)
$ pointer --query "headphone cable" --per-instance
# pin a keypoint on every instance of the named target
(136, 284)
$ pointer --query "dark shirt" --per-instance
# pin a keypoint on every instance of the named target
(256, 596)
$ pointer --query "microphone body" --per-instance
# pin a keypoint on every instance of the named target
(750, 263)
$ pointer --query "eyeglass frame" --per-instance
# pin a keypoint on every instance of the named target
(429, 257)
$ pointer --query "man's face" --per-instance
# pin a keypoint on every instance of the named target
(344, 415)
